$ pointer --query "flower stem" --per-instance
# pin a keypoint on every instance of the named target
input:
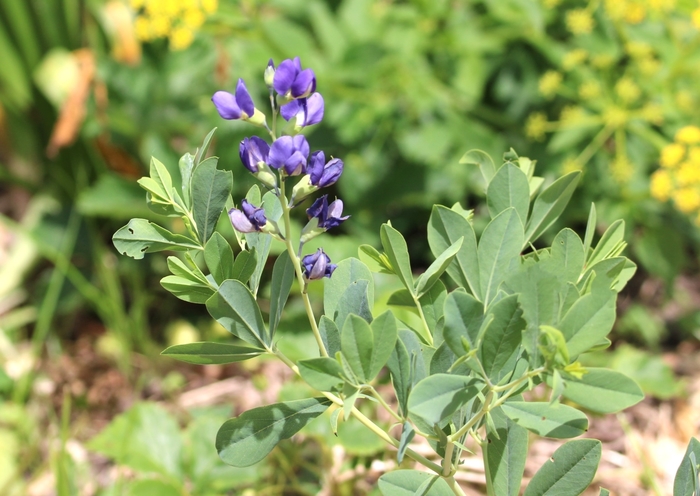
(386, 406)
(297, 269)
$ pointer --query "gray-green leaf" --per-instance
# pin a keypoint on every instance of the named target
(569, 470)
(140, 236)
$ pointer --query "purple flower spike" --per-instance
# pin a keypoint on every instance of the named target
(253, 151)
(324, 174)
(251, 219)
(328, 216)
(307, 111)
(317, 265)
(291, 82)
(289, 153)
(238, 106)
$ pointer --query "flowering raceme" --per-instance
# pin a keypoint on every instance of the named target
(287, 156)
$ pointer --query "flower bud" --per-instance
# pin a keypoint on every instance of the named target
(269, 75)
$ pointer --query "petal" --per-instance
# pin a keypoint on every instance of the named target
(318, 208)
(291, 109)
(284, 77)
(314, 109)
(335, 209)
(226, 105)
(295, 164)
(304, 84)
(331, 173)
(315, 168)
(259, 149)
(297, 65)
(301, 145)
(245, 102)
(245, 153)
(240, 222)
(280, 151)
(319, 268)
(330, 268)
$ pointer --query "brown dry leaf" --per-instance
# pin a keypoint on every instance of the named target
(120, 23)
(73, 111)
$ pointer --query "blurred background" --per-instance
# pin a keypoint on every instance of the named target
(91, 89)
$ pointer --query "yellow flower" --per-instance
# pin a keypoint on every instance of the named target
(194, 18)
(627, 90)
(574, 58)
(210, 6)
(661, 185)
(160, 26)
(694, 156)
(638, 49)
(635, 13)
(589, 90)
(615, 116)
(687, 199)
(652, 112)
(688, 174)
(136, 4)
(181, 38)
(695, 18)
(579, 21)
(621, 169)
(616, 8)
(549, 83)
(142, 26)
(156, 7)
(661, 5)
(648, 66)
(536, 126)
(570, 115)
(672, 154)
(689, 135)
(603, 60)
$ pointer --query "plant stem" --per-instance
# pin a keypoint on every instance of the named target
(386, 406)
(364, 420)
(297, 269)
(447, 459)
(454, 486)
(428, 332)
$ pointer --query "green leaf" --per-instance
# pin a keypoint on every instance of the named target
(186, 289)
(435, 270)
(401, 298)
(588, 321)
(322, 373)
(407, 435)
(509, 188)
(377, 262)
(567, 255)
(181, 269)
(153, 487)
(234, 307)
(218, 256)
(569, 470)
(354, 301)
(604, 492)
(186, 166)
(282, 278)
(433, 305)
(685, 482)
(500, 243)
(608, 243)
(207, 353)
(505, 455)
(202, 150)
(438, 396)
(348, 271)
(557, 421)
(397, 251)
(549, 205)
(445, 227)
(140, 236)
(409, 482)
(248, 438)
(603, 391)
(367, 348)
(483, 160)
(399, 366)
(590, 230)
(330, 335)
(463, 318)
(245, 265)
(211, 188)
(498, 350)
(146, 438)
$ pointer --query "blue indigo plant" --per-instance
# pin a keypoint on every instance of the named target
(463, 344)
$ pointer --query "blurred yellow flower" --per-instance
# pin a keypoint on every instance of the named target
(695, 18)
(694, 156)
(590, 90)
(686, 199)
(550, 83)
(574, 58)
(621, 169)
(603, 60)
(689, 135)
(635, 12)
(536, 126)
(615, 116)
(661, 185)
(181, 38)
(143, 28)
(688, 174)
(627, 90)
(571, 114)
(193, 18)
(648, 66)
(160, 26)
(210, 6)
(579, 21)
(652, 112)
(639, 49)
(672, 154)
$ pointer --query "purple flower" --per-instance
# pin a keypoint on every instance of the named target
(307, 111)
(292, 82)
(317, 265)
(253, 151)
(324, 174)
(238, 106)
(328, 216)
(251, 219)
(289, 153)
